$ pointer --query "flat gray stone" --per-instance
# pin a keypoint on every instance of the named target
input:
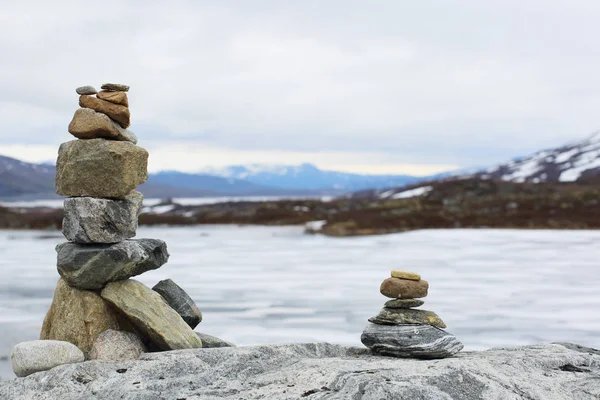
(318, 371)
(179, 301)
(404, 316)
(114, 345)
(96, 220)
(115, 87)
(416, 341)
(93, 266)
(404, 303)
(209, 341)
(86, 90)
(42, 355)
(89, 124)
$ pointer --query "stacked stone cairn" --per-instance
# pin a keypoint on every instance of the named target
(399, 330)
(98, 312)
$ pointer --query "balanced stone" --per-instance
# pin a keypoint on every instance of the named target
(42, 355)
(392, 316)
(114, 97)
(78, 317)
(404, 303)
(97, 220)
(115, 87)
(93, 266)
(396, 273)
(100, 168)
(403, 288)
(209, 341)
(89, 124)
(418, 341)
(86, 90)
(179, 301)
(116, 112)
(114, 345)
(151, 315)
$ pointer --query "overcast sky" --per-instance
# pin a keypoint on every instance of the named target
(375, 86)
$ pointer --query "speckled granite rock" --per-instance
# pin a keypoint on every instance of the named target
(93, 266)
(322, 371)
(179, 301)
(42, 355)
(100, 168)
(89, 124)
(418, 341)
(151, 315)
(114, 345)
(396, 316)
(96, 220)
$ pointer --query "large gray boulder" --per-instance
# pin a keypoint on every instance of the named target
(418, 341)
(100, 168)
(97, 220)
(42, 355)
(93, 266)
(180, 301)
(322, 371)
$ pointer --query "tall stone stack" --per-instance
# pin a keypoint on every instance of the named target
(399, 330)
(96, 307)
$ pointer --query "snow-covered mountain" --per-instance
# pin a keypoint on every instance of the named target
(19, 178)
(576, 161)
(307, 177)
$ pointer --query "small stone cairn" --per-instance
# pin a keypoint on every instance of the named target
(401, 331)
(98, 312)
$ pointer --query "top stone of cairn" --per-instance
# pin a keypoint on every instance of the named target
(411, 276)
(115, 87)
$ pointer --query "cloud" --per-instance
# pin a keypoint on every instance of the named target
(350, 84)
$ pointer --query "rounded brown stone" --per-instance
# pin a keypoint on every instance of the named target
(116, 112)
(404, 288)
(404, 303)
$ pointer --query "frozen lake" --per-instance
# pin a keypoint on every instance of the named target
(274, 284)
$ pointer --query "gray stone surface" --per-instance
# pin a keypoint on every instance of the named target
(97, 220)
(42, 355)
(416, 341)
(209, 341)
(404, 303)
(100, 168)
(320, 371)
(115, 87)
(93, 266)
(114, 345)
(179, 301)
(89, 124)
(399, 316)
(86, 90)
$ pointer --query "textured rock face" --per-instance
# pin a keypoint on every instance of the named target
(116, 112)
(404, 303)
(96, 220)
(179, 301)
(403, 288)
(86, 90)
(321, 371)
(114, 97)
(417, 341)
(397, 316)
(42, 355)
(93, 266)
(78, 317)
(151, 315)
(89, 124)
(100, 168)
(115, 87)
(209, 341)
(113, 345)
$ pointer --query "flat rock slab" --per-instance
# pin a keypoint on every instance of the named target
(404, 303)
(410, 341)
(413, 276)
(398, 316)
(116, 112)
(78, 316)
(93, 266)
(96, 220)
(100, 168)
(86, 90)
(89, 124)
(114, 97)
(320, 371)
(404, 288)
(115, 87)
(151, 315)
(114, 345)
(42, 355)
(179, 301)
